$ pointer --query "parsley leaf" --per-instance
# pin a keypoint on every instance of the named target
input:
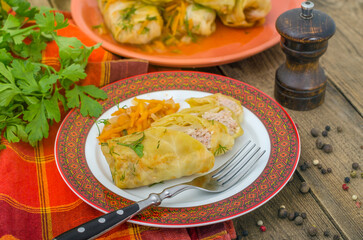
(136, 145)
(38, 127)
(74, 72)
(88, 106)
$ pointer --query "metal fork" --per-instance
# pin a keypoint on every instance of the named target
(217, 181)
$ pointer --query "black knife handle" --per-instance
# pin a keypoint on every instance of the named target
(98, 226)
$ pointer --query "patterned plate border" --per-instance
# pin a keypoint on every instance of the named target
(285, 149)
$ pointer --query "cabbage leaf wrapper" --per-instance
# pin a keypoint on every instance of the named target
(212, 134)
(221, 6)
(184, 19)
(167, 154)
(217, 113)
(246, 13)
(221, 100)
(132, 22)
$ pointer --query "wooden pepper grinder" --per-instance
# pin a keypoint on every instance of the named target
(300, 82)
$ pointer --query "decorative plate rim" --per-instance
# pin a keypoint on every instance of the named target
(283, 139)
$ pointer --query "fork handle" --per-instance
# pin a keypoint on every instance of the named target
(104, 223)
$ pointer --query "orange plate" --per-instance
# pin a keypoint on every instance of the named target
(226, 45)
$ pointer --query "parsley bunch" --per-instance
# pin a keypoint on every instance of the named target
(30, 91)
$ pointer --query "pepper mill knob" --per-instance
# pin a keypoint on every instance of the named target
(300, 82)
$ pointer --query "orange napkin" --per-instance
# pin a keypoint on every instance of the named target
(36, 203)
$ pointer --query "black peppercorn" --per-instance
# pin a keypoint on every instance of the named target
(312, 231)
(291, 216)
(329, 170)
(319, 143)
(303, 215)
(299, 220)
(327, 128)
(244, 233)
(355, 165)
(319, 166)
(323, 170)
(327, 148)
(304, 188)
(326, 233)
(314, 132)
(346, 179)
(282, 213)
(324, 133)
(336, 237)
(303, 167)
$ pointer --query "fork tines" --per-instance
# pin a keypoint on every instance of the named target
(239, 165)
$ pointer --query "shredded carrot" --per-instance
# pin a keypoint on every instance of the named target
(137, 117)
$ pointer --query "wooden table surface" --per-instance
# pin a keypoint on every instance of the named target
(327, 206)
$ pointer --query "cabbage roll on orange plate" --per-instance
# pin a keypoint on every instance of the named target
(132, 22)
(246, 13)
(185, 19)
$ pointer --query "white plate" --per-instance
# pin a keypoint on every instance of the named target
(253, 130)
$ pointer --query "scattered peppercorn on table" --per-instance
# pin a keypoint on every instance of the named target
(323, 199)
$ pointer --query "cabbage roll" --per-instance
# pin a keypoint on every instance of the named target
(158, 154)
(200, 20)
(131, 21)
(221, 6)
(246, 13)
(185, 19)
(217, 113)
(213, 135)
(220, 100)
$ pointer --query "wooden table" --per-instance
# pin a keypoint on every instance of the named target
(327, 205)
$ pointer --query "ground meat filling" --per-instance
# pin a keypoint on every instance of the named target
(224, 117)
(202, 135)
(230, 104)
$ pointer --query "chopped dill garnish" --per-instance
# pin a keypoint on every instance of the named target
(104, 121)
(97, 26)
(124, 132)
(157, 147)
(122, 178)
(220, 150)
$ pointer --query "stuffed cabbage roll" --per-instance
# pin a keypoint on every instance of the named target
(200, 20)
(220, 100)
(217, 113)
(185, 19)
(246, 13)
(131, 21)
(155, 155)
(221, 6)
(213, 135)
